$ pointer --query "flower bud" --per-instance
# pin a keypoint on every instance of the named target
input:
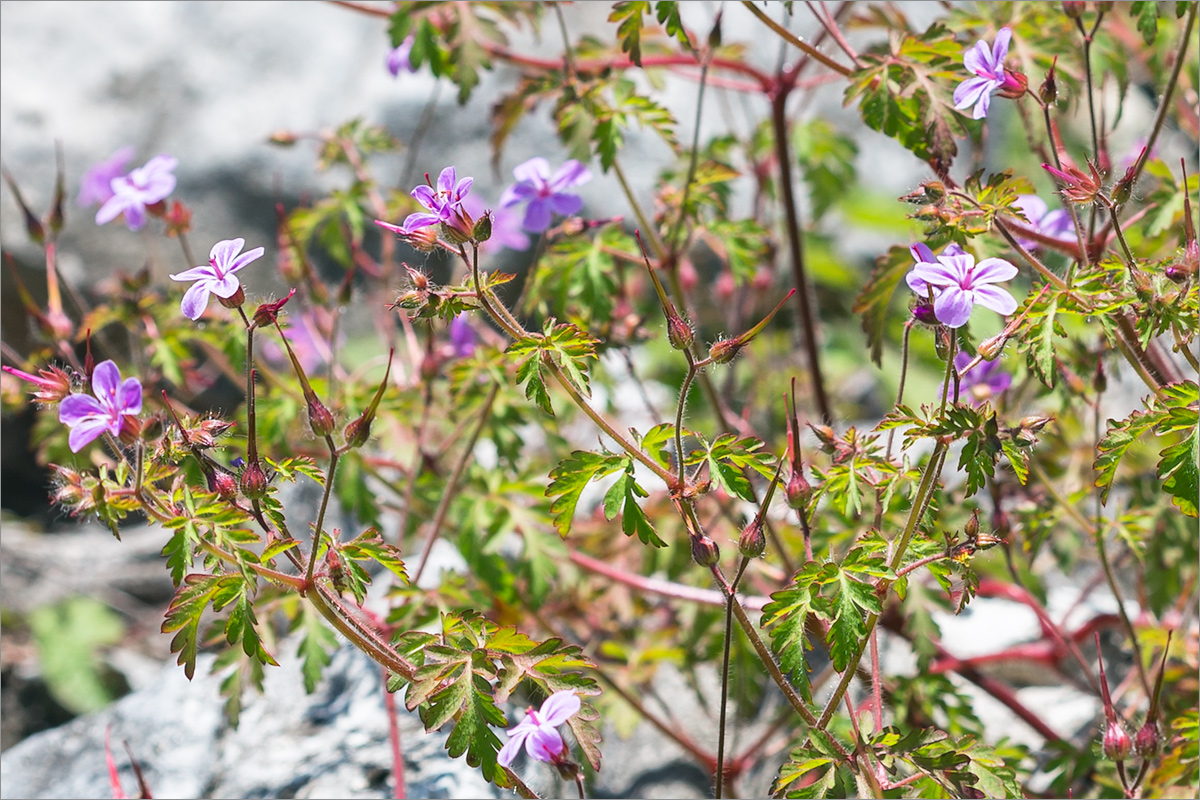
(223, 484)
(1105, 5)
(753, 541)
(424, 239)
(359, 429)
(1116, 744)
(234, 301)
(705, 551)
(1147, 740)
(131, 430)
(178, 219)
(923, 312)
(1073, 8)
(688, 278)
(320, 418)
(725, 285)
(971, 529)
(284, 138)
(268, 313)
(1049, 89)
(459, 229)
(1124, 187)
(724, 350)
(991, 348)
(798, 489)
(253, 482)
(482, 231)
(680, 333)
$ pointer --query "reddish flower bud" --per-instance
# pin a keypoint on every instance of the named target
(178, 219)
(923, 312)
(724, 350)
(1074, 8)
(359, 429)
(687, 275)
(705, 551)
(320, 418)
(1049, 89)
(223, 484)
(1074, 184)
(235, 300)
(131, 429)
(1147, 741)
(725, 285)
(798, 489)
(1116, 744)
(424, 239)
(268, 313)
(753, 541)
(253, 481)
(680, 333)
(1015, 85)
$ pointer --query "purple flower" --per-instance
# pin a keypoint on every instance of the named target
(506, 227)
(397, 59)
(546, 194)
(445, 205)
(462, 336)
(96, 186)
(990, 75)
(216, 277)
(537, 731)
(959, 284)
(143, 187)
(88, 417)
(1055, 224)
(983, 381)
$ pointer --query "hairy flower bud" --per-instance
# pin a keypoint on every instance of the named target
(724, 350)
(1015, 85)
(424, 239)
(1048, 93)
(320, 418)
(483, 228)
(131, 429)
(991, 348)
(923, 312)
(1147, 740)
(235, 300)
(1073, 8)
(752, 541)
(705, 551)
(268, 313)
(798, 489)
(253, 482)
(680, 333)
(1116, 744)
(223, 484)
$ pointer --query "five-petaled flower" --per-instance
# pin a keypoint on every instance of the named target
(89, 417)
(959, 284)
(96, 186)
(444, 204)
(537, 730)
(215, 277)
(143, 187)
(547, 194)
(990, 76)
(1054, 224)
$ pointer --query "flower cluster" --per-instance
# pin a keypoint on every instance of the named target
(959, 284)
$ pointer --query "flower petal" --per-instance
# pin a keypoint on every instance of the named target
(566, 204)
(460, 190)
(953, 307)
(918, 285)
(111, 209)
(414, 222)
(224, 252)
(978, 59)
(516, 738)
(195, 300)
(517, 193)
(200, 273)
(559, 707)
(537, 215)
(426, 197)
(87, 432)
(75, 408)
(536, 171)
(921, 253)
(446, 180)
(106, 379)
(245, 258)
(969, 91)
(224, 287)
(1000, 49)
(936, 274)
(135, 216)
(995, 298)
(571, 173)
(545, 745)
(129, 396)
(992, 270)
(981, 107)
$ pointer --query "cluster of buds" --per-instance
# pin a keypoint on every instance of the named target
(1024, 433)
(51, 383)
(973, 541)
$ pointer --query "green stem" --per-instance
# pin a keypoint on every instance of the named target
(330, 474)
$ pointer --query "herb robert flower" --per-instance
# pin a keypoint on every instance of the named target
(959, 284)
(537, 731)
(89, 417)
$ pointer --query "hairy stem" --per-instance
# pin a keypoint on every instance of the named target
(796, 41)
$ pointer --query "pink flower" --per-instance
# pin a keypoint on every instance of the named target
(96, 186)
(990, 75)
(143, 187)
(89, 417)
(959, 284)
(547, 194)
(397, 59)
(537, 730)
(215, 277)
(444, 204)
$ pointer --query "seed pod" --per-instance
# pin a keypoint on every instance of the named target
(483, 228)
(680, 333)
(253, 482)
(1147, 741)
(705, 551)
(753, 541)
(1116, 744)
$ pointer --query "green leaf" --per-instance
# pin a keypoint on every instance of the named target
(728, 457)
(629, 15)
(786, 615)
(569, 478)
(1040, 329)
(854, 599)
(623, 495)
(185, 611)
(1180, 473)
(316, 645)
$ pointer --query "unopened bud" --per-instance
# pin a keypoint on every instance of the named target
(1147, 740)
(680, 333)
(991, 348)
(268, 313)
(923, 312)
(357, 432)
(1105, 5)
(253, 482)
(283, 138)
(1100, 379)
(705, 551)
(724, 350)
(798, 489)
(1049, 89)
(752, 541)
(320, 418)
(424, 239)
(1014, 86)
(223, 484)
(131, 430)
(459, 229)
(483, 228)
(178, 219)
(1073, 8)
(1116, 744)
(714, 35)
(688, 278)
(725, 285)
(971, 529)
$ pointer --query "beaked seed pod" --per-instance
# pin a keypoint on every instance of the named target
(680, 333)
(1117, 744)
(753, 541)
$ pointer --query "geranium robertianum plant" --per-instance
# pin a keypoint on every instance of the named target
(1027, 284)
